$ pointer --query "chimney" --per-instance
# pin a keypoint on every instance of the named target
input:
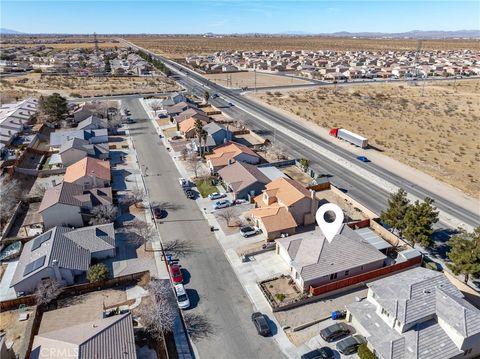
(313, 203)
(94, 179)
(56, 270)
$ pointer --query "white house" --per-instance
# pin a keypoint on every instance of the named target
(417, 314)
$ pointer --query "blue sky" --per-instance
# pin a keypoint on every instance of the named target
(234, 16)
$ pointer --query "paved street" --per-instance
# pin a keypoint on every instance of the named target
(212, 285)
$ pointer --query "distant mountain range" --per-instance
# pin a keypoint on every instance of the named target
(4, 31)
(415, 34)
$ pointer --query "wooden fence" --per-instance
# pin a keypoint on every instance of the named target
(365, 277)
(77, 289)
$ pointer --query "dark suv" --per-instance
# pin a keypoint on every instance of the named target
(335, 332)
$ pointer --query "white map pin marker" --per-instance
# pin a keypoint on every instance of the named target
(329, 229)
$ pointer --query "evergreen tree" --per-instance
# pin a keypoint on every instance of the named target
(465, 253)
(419, 221)
(97, 272)
(394, 216)
(53, 106)
(206, 96)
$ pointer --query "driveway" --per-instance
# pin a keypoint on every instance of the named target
(213, 287)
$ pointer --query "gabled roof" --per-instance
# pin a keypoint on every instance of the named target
(274, 218)
(240, 175)
(105, 338)
(92, 120)
(189, 124)
(228, 151)
(314, 256)
(57, 138)
(88, 166)
(77, 143)
(75, 195)
(94, 238)
(192, 112)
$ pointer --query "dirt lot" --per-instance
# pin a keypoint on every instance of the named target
(247, 79)
(14, 328)
(297, 174)
(35, 84)
(60, 43)
(433, 128)
(180, 46)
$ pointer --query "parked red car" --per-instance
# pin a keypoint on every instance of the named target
(175, 273)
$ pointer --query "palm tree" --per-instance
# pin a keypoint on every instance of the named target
(204, 135)
(198, 132)
(206, 96)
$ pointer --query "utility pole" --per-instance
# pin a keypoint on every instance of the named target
(255, 75)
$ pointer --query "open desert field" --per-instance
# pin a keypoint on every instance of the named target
(67, 46)
(61, 43)
(433, 128)
(179, 46)
(242, 79)
(35, 84)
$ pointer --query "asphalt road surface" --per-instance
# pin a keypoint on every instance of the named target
(212, 286)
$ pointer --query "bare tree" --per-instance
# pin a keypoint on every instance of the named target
(47, 290)
(103, 214)
(194, 164)
(279, 151)
(135, 196)
(39, 190)
(198, 326)
(10, 194)
(179, 247)
(229, 215)
(240, 124)
(184, 154)
(159, 317)
(140, 232)
(156, 105)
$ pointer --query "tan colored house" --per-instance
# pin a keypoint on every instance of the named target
(229, 153)
(187, 127)
(284, 205)
(89, 172)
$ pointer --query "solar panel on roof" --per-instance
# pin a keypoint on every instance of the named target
(33, 266)
(37, 242)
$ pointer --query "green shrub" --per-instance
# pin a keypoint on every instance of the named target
(97, 272)
(365, 353)
(280, 297)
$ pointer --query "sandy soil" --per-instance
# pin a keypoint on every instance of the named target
(35, 84)
(247, 79)
(180, 46)
(66, 45)
(14, 328)
(433, 128)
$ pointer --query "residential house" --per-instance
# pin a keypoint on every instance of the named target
(82, 112)
(92, 123)
(187, 127)
(76, 149)
(192, 113)
(89, 172)
(70, 204)
(229, 153)
(216, 136)
(14, 118)
(60, 254)
(93, 136)
(417, 314)
(111, 337)
(284, 205)
(315, 261)
(178, 108)
(243, 179)
(174, 99)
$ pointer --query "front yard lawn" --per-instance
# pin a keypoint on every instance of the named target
(205, 187)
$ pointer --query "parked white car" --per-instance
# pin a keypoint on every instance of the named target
(248, 231)
(216, 195)
(222, 204)
(182, 297)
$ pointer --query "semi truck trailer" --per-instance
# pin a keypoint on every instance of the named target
(348, 136)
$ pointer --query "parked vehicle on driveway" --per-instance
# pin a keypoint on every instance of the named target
(182, 297)
(350, 345)
(216, 195)
(335, 332)
(322, 353)
(261, 323)
(175, 272)
(130, 120)
(184, 182)
(222, 204)
(248, 231)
